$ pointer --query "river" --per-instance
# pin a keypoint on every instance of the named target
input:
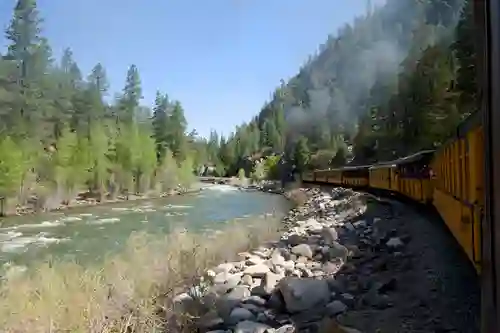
(87, 234)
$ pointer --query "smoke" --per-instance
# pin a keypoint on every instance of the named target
(341, 77)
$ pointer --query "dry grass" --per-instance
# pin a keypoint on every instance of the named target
(130, 292)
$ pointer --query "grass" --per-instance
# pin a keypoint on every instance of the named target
(129, 292)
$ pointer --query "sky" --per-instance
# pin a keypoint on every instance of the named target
(221, 59)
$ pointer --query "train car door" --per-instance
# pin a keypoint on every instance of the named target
(487, 19)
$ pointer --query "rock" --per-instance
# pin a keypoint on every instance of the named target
(239, 314)
(329, 235)
(295, 239)
(291, 280)
(337, 250)
(210, 320)
(226, 267)
(256, 270)
(270, 281)
(289, 328)
(247, 280)
(302, 294)
(277, 258)
(248, 326)
(289, 265)
(330, 268)
(336, 307)
(303, 250)
(254, 260)
(256, 300)
(221, 277)
(227, 302)
(394, 242)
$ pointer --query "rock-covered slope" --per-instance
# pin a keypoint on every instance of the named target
(342, 258)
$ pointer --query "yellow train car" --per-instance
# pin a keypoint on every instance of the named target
(320, 176)
(458, 183)
(384, 177)
(334, 176)
(355, 176)
(308, 176)
(415, 177)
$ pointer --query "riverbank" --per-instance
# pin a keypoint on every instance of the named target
(264, 288)
(84, 200)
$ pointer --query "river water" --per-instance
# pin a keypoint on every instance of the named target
(87, 234)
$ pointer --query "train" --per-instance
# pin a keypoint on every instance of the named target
(450, 178)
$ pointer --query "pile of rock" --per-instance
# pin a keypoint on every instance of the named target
(288, 285)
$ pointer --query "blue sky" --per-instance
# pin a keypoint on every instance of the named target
(220, 58)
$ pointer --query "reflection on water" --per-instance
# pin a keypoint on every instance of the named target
(84, 234)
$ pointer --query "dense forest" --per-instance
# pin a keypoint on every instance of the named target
(60, 136)
(397, 80)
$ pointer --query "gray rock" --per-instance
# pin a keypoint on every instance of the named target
(295, 239)
(254, 260)
(270, 281)
(256, 300)
(330, 268)
(257, 270)
(248, 326)
(394, 242)
(329, 235)
(221, 277)
(289, 328)
(336, 307)
(302, 294)
(247, 280)
(303, 250)
(239, 314)
(277, 258)
(210, 320)
(338, 250)
(225, 267)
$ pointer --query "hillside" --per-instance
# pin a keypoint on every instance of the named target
(393, 81)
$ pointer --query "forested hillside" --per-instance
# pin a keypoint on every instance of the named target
(59, 135)
(395, 81)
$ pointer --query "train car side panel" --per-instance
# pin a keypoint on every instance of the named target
(476, 188)
(355, 176)
(458, 187)
(320, 176)
(414, 176)
(381, 177)
(334, 177)
(394, 180)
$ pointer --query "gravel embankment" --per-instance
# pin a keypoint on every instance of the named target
(346, 262)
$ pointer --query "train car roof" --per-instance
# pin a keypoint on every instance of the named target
(390, 164)
(421, 155)
(322, 170)
(355, 167)
(415, 157)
